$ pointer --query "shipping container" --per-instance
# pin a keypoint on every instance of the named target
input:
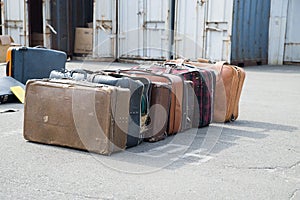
(144, 29)
(105, 29)
(65, 16)
(48, 23)
(284, 46)
(231, 30)
(14, 20)
(250, 34)
(190, 32)
(292, 38)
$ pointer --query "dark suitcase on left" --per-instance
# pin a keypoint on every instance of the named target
(24, 63)
(6, 96)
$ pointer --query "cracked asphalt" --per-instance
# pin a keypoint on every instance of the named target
(256, 157)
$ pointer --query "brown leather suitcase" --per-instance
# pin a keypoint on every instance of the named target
(204, 85)
(228, 90)
(176, 100)
(157, 121)
(75, 114)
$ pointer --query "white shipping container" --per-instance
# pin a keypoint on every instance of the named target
(144, 29)
(292, 38)
(284, 30)
(203, 29)
(14, 20)
(190, 29)
(104, 25)
(47, 27)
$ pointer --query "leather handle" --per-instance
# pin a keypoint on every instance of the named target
(79, 71)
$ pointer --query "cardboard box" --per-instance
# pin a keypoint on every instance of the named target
(6, 41)
(83, 41)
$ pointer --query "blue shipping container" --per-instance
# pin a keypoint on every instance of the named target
(250, 32)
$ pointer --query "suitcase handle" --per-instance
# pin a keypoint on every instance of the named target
(40, 47)
(79, 71)
(94, 74)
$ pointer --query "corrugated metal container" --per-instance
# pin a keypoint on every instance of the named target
(292, 38)
(218, 29)
(60, 21)
(284, 46)
(144, 29)
(203, 29)
(231, 30)
(14, 20)
(66, 15)
(105, 29)
(250, 32)
(190, 29)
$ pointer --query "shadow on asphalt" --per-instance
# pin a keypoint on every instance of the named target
(190, 147)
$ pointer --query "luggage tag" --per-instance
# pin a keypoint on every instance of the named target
(19, 92)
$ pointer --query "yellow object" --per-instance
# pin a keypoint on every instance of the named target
(19, 92)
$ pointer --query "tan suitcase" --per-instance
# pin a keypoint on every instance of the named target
(79, 115)
(228, 90)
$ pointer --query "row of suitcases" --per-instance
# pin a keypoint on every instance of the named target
(110, 110)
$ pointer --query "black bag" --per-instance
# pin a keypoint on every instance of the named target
(6, 96)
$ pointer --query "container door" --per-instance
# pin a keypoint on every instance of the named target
(292, 41)
(189, 29)
(250, 32)
(144, 29)
(104, 44)
(47, 27)
(218, 30)
(14, 20)
(156, 29)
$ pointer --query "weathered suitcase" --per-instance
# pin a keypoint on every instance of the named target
(6, 96)
(203, 82)
(176, 85)
(157, 121)
(228, 88)
(134, 136)
(24, 63)
(81, 115)
(145, 102)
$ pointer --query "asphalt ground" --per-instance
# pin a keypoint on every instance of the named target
(256, 157)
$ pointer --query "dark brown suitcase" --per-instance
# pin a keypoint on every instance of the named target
(176, 98)
(203, 81)
(75, 114)
(157, 121)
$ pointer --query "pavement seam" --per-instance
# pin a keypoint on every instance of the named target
(70, 193)
(267, 167)
(293, 195)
